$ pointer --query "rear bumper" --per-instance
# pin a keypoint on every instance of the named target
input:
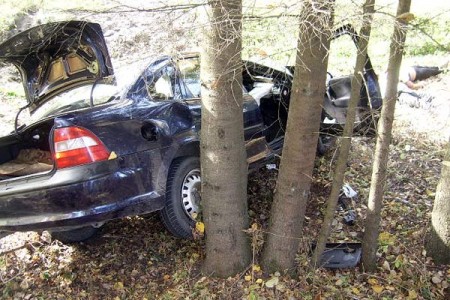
(78, 196)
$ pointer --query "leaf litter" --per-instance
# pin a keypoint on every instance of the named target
(135, 258)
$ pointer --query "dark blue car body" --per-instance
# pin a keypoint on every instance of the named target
(145, 134)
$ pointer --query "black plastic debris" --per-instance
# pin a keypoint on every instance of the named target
(341, 255)
(350, 217)
(345, 201)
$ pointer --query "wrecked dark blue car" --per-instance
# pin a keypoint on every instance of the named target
(92, 154)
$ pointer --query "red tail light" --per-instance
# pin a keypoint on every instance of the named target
(76, 146)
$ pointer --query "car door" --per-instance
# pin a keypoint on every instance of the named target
(255, 143)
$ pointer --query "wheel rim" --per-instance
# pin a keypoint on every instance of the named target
(190, 194)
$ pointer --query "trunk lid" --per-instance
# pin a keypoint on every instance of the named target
(55, 57)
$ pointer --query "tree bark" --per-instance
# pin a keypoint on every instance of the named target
(370, 239)
(345, 139)
(297, 162)
(223, 158)
(438, 241)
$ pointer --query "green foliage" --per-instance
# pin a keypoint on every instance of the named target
(11, 94)
(428, 36)
(425, 49)
(277, 37)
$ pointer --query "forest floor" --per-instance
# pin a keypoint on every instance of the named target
(136, 258)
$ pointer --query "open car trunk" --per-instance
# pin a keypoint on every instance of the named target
(26, 153)
(52, 59)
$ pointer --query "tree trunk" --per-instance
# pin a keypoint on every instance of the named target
(370, 239)
(345, 139)
(300, 144)
(438, 241)
(223, 158)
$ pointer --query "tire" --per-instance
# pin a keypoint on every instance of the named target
(75, 235)
(182, 197)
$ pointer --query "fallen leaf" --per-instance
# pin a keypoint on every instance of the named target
(386, 265)
(436, 279)
(24, 284)
(259, 280)
(430, 193)
(118, 285)
(386, 238)
(412, 294)
(355, 291)
(256, 268)
(398, 261)
(377, 288)
(272, 282)
(248, 277)
(280, 287)
(113, 155)
(200, 227)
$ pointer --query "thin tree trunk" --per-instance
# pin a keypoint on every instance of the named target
(345, 140)
(223, 158)
(297, 162)
(438, 241)
(370, 240)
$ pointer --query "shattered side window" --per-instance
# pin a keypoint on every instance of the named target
(164, 86)
(190, 74)
(161, 89)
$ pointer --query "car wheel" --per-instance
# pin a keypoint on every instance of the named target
(183, 196)
(74, 235)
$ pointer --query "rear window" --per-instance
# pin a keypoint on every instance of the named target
(75, 99)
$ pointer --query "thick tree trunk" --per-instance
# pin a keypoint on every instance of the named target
(345, 139)
(370, 240)
(297, 162)
(438, 241)
(223, 158)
